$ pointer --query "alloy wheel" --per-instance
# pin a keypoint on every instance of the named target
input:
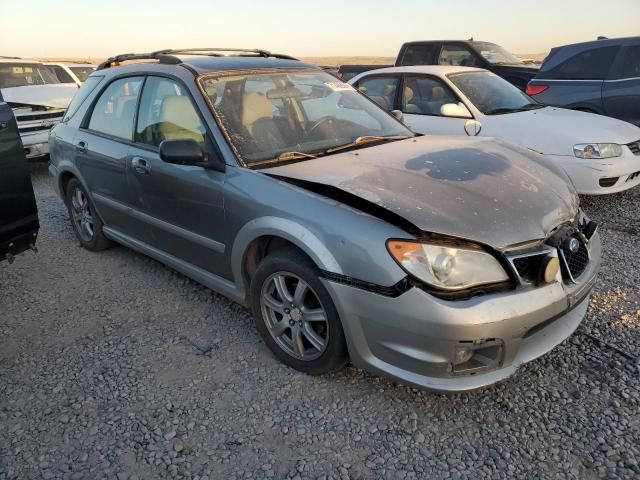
(81, 214)
(294, 316)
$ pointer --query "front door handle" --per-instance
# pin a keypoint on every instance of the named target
(81, 146)
(141, 166)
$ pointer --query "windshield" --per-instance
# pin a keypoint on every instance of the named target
(491, 94)
(82, 72)
(287, 115)
(495, 54)
(23, 74)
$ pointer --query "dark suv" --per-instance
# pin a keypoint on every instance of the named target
(468, 53)
(602, 76)
(18, 213)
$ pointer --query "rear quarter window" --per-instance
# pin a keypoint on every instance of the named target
(419, 54)
(81, 95)
(593, 64)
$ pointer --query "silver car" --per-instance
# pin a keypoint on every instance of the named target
(441, 262)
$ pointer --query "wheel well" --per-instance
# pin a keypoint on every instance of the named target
(65, 178)
(258, 249)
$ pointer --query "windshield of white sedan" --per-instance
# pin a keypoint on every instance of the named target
(495, 54)
(491, 94)
(290, 115)
(25, 74)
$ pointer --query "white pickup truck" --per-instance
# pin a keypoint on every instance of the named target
(38, 101)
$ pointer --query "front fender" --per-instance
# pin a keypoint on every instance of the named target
(300, 236)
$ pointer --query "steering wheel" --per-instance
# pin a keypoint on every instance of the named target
(321, 121)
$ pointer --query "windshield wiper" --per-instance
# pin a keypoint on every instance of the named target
(286, 156)
(365, 139)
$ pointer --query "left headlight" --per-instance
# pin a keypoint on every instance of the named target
(447, 267)
(597, 150)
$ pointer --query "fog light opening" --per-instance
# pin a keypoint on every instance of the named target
(474, 357)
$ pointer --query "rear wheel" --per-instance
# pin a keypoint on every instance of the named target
(295, 315)
(86, 224)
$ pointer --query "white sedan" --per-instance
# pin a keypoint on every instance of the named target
(600, 154)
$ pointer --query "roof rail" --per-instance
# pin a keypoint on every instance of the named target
(168, 56)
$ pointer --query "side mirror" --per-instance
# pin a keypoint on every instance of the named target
(187, 152)
(472, 128)
(398, 114)
(455, 110)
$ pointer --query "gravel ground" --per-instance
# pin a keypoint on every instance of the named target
(114, 366)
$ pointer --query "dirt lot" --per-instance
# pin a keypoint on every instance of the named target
(114, 366)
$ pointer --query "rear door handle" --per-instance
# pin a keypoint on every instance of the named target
(81, 146)
(141, 166)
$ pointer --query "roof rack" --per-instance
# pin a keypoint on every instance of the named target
(169, 56)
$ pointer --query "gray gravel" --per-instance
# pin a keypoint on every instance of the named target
(114, 366)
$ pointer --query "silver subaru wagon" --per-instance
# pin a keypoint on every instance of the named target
(441, 262)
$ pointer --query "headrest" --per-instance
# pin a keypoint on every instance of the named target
(437, 94)
(255, 107)
(179, 110)
(408, 94)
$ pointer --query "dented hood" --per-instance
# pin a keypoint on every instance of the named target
(477, 189)
(56, 95)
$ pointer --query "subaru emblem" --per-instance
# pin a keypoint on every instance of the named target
(574, 245)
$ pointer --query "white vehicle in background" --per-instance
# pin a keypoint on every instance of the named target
(38, 101)
(71, 72)
(600, 154)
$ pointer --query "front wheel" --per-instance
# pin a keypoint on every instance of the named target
(295, 315)
(86, 224)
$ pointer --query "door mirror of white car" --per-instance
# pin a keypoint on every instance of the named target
(398, 114)
(455, 110)
(472, 128)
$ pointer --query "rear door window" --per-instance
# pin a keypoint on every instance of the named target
(592, 64)
(61, 74)
(115, 110)
(420, 54)
(81, 95)
(629, 65)
(425, 95)
(457, 55)
(380, 89)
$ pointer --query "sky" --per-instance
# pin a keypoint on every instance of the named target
(89, 28)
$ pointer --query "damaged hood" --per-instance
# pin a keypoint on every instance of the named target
(56, 95)
(554, 131)
(478, 189)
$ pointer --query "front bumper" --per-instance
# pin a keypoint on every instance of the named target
(587, 174)
(413, 338)
(36, 145)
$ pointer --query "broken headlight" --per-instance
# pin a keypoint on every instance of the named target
(447, 267)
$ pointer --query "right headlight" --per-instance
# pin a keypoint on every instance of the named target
(597, 150)
(447, 267)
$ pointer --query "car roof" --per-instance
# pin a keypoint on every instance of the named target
(427, 69)
(468, 40)
(600, 43)
(18, 60)
(206, 63)
(72, 64)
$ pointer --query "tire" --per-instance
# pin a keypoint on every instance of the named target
(321, 347)
(85, 221)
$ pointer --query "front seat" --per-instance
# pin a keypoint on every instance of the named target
(437, 100)
(179, 120)
(408, 96)
(257, 119)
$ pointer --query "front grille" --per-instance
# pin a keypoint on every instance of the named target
(634, 147)
(39, 116)
(633, 176)
(573, 263)
(38, 128)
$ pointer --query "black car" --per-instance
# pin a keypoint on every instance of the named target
(18, 212)
(601, 76)
(468, 53)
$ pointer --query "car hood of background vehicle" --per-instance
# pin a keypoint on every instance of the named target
(58, 95)
(554, 131)
(478, 189)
